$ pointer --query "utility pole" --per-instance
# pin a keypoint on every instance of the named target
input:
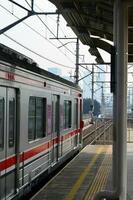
(92, 94)
(102, 101)
(58, 21)
(77, 62)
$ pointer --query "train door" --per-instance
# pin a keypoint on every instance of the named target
(55, 127)
(81, 110)
(75, 117)
(7, 141)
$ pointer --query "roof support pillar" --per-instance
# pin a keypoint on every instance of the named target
(120, 106)
(115, 156)
(121, 18)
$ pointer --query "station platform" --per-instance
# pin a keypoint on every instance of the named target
(89, 172)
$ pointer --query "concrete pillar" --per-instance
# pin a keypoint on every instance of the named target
(121, 96)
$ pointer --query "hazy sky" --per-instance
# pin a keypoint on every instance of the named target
(33, 34)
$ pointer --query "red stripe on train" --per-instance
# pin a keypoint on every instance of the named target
(29, 154)
(8, 163)
(34, 151)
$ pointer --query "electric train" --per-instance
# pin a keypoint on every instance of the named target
(40, 122)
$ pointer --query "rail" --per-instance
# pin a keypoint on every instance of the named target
(89, 131)
(100, 132)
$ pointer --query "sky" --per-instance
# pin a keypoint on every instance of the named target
(34, 34)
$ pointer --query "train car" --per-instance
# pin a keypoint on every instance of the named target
(40, 115)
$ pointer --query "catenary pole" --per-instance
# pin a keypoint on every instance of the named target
(77, 62)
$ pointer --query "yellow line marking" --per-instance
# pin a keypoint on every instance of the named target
(83, 175)
(101, 174)
(100, 179)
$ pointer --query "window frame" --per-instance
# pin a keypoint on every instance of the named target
(42, 116)
(76, 113)
(10, 145)
(67, 116)
(3, 124)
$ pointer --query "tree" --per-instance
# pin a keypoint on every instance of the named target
(87, 106)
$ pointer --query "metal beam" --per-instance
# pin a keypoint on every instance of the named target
(13, 24)
(17, 4)
(30, 13)
(104, 63)
(84, 76)
(102, 45)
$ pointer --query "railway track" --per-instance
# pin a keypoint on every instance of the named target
(100, 132)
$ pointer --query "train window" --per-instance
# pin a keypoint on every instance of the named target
(11, 122)
(31, 127)
(75, 115)
(55, 114)
(1, 123)
(37, 118)
(40, 120)
(67, 114)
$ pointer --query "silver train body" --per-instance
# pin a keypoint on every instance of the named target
(40, 116)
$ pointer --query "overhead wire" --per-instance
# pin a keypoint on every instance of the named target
(41, 56)
(23, 22)
(52, 20)
(54, 34)
(49, 17)
(39, 35)
(88, 85)
(50, 30)
(36, 32)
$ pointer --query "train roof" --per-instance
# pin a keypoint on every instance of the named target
(16, 58)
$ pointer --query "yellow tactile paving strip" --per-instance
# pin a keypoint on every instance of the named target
(100, 180)
(83, 175)
(86, 174)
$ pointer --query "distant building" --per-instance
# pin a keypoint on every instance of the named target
(59, 72)
(87, 85)
(109, 105)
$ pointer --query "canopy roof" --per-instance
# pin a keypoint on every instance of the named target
(89, 18)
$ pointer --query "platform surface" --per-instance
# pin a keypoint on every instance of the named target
(89, 172)
(130, 170)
